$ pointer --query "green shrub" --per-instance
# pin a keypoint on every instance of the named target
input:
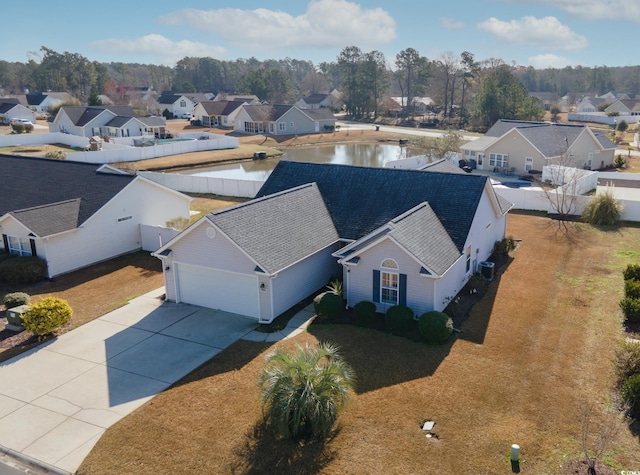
(45, 316)
(435, 327)
(631, 394)
(398, 318)
(23, 270)
(619, 161)
(632, 288)
(505, 246)
(631, 272)
(335, 286)
(56, 154)
(627, 360)
(631, 309)
(15, 299)
(602, 210)
(365, 313)
(328, 306)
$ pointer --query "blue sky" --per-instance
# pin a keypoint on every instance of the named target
(540, 33)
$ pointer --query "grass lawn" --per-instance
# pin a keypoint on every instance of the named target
(537, 346)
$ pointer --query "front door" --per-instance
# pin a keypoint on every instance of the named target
(528, 164)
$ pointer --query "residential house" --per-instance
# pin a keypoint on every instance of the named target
(40, 102)
(519, 146)
(217, 113)
(398, 236)
(111, 121)
(591, 104)
(624, 107)
(548, 99)
(75, 214)
(181, 104)
(11, 109)
(248, 98)
(418, 105)
(315, 101)
(283, 120)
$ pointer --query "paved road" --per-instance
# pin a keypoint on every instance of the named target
(398, 130)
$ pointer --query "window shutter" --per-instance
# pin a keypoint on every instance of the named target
(33, 247)
(402, 298)
(376, 286)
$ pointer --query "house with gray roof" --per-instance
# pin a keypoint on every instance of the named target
(217, 113)
(41, 102)
(283, 119)
(11, 109)
(106, 121)
(397, 237)
(517, 147)
(76, 214)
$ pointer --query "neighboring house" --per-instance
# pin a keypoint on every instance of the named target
(75, 214)
(418, 105)
(315, 101)
(591, 104)
(11, 109)
(283, 120)
(518, 147)
(548, 99)
(399, 236)
(40, 102)
(624, 107)
(181, 104)
(111, 121)
(217, 113)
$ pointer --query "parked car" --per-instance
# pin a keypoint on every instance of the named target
(21, 121)
(186, 115)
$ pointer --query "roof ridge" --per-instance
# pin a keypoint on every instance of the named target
(263, 198)
(48, 205)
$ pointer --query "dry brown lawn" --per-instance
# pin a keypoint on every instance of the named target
(537, 346)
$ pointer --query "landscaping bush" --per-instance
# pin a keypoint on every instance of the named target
(15, 299)
(303, 393)
(398, 318)
(435, 327)
(627, 360)
(17, 128)
(619, 161)
(505, 246)
(23, 270)
(45, 316)
(602, 210)
(632, 288)
(631, 309)
(631, 394)
(365, 313)
(328, 306)
(335, 286)
(631, 272)
(56, 154)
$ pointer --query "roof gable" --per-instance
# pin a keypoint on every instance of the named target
(266, 112)
(279, 229)
(362, 199)
(55, 182)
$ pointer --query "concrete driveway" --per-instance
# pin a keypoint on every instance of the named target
(58, 399)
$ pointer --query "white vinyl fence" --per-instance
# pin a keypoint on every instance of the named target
(153, 237)
(12, 140)
(203, 184)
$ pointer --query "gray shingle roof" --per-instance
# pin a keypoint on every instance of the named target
(267, 112)
(420, 233)
(442, 166)
(280, 229)
(82, 115)
(320, 114)
(315, 98)
(7, 106)
(221, 107)
(362, 199)
(30, 186)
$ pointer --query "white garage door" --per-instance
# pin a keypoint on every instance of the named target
(211, 288)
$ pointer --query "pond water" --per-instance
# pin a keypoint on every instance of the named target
(368, 155)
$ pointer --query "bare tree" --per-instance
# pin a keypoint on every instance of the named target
(599, 437)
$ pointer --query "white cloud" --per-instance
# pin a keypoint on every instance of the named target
(325, 24)
(545, 33)
(595, 9)
(543, 61)
(451, 24)
(168, 52)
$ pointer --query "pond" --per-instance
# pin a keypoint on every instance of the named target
(368, 155)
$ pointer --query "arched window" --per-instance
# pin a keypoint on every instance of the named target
(389, 282)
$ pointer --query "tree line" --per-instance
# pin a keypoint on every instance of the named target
(465, 91)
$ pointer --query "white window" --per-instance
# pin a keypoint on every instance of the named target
(497, 160)
(292, 124)
(389, 282)
(19, 246)
(528, 164)
(183, 103)
(282, 126)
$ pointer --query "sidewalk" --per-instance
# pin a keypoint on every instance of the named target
(57, 400)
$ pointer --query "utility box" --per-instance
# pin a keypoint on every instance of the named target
(14, 318)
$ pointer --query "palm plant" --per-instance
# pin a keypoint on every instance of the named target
(303, 392)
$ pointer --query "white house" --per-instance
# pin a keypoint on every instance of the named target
(11, 109)
(217, 113)
(283, 119)
(397, 234)
(74, 214)
(40, 102)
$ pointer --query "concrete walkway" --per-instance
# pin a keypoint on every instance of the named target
(57, 400)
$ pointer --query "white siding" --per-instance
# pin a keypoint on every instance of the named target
(302, 279)
(360, 278)
(103, 236)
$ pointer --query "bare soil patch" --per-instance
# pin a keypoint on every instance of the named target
(538, 344)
